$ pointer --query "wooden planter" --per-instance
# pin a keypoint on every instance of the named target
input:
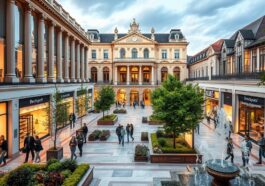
(155, 122)
(54, 153)
(108, 122)
(144, 120)
(117, 112)
(140, 158)
(87, 178)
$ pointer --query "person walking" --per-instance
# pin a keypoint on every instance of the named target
(74, 120)
(230, 129)
(208, 118)
(38, 148)
(80, 142)
(246, 147)
(131, 131)
(229, 150)
(128, 131)
(122, 135)
(261, 143)
(85, 131)
(71, 120)
(118, 132)
(73, 144)
(29, 146)
(3, 150)
(198, 128)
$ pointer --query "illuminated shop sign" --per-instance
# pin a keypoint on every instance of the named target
(33, 101)
(209, 93)
(67, 95)
(227, 98)
(251, 101)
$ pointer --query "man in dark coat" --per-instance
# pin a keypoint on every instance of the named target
(85, 131)
(118, 132)
(29, 144)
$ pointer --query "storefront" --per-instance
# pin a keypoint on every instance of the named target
(227, 104)
(3, 119)
(82, 98)
(90, 91)
(211, 102)
(68, 100)
(251, 116)
(34, 117)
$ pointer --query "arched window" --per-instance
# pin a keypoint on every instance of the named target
(94, 74)
(176, 73)
(146, 53)
(134, 53)
(164, 73)
(106, 74)
(122, 53)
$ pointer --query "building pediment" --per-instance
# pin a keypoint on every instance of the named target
(134, 38)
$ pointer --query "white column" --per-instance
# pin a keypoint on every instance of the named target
(78, 62)
(258, 60)
(128, 75)
(28, 47)
(59, 73)
(66, 57)
(51, 77)
(115, 75)
(40, 74)
(82, 64)
(86, 66)
(153, 76)
(10, 75)
(140, 75)
(73, 61)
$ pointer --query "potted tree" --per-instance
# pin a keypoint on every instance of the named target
(59, 112)
(103, 103)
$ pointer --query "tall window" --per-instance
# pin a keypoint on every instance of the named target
(206, 71)
(34, 40)
(176, 54)
(164, 73)
(94, 54)
(164, 54)
(94, 74)
(122, 53)
(106, 74)
(106, 54)
(146, 53)
(262, 59)
(2, 38)
(176, 72)
(254, 60)
(3, 119)
(134, 53)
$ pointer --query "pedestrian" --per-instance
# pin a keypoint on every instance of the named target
(116, 103)
(261, 143)
(71, 120)
(230, 129)
(123, 104)
(80, 142)
(198, 128)
(246, 147)
(128, 131)
(29, 146)
(73, 144)
(118, 132)
(74, 120)
(85, 131)
(208, 118)
(38, 148)
(229, 150)
(3, 150)
(227, 131)
(131, 131)
(122, 135)
(215, 122)
(134, 104)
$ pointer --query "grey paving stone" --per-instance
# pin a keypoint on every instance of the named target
(122, 173)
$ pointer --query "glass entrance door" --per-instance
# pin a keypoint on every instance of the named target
(134, 77)
(25, 126)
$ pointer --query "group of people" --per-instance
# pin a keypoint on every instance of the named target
(32, 145)
(120, 131)
(78, 141)
(120, 104)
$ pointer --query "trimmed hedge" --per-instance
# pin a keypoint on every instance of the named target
(76, 176)
(120, 111)
(104, 135)
(98, 134)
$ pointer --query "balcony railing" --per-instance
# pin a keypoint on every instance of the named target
(238, 76)
(103, 82)
(138, 59)
(198, 78)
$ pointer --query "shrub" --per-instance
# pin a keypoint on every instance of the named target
(141, 150)
(51, 161)
(104, 135)
(55, 167)
(120, 111)
(159, 133)
(66, 173)
(76, 176)
(92, 137)
(97, 134)
(20, 176)
(69, 164)
(144, 136)
(162, 142)
(34, 167)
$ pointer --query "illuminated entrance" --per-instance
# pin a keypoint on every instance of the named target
(134, 97)
(147, 97)
(95, 94)
(121, 96)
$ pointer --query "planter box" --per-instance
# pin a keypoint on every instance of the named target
(87, 178)
(144, 120)
(140, 158)
(54, 153)
(110, 122)
(144, 136)
(120, 112)
(155, 122)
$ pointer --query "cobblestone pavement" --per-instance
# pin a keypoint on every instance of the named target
(114, 164)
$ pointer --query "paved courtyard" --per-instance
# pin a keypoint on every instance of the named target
(114, 164)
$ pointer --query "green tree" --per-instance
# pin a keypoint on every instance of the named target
(262, 79)
(179, 105)
(82, 103)
(105, 99)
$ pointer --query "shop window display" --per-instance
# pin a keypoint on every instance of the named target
(3, 119)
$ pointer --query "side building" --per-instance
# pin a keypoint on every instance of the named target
(234, 86)
(134, 63)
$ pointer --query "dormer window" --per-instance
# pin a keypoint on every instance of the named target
(91, 37)
(224, 50)
(238, 43)
(176, 36)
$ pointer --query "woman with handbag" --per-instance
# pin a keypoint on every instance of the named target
(38, 148)
(73, 144)
(3, 150)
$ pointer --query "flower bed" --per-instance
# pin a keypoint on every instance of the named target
(141, 153)
(108, 120)
(120, 111)
(53, 173)
(144, 136)
(98, 134)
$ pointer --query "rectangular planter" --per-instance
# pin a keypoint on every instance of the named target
(108, 122)
(87, 178)
(140, 158)
(154, 122)
(54, 153)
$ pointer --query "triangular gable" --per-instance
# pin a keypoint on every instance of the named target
(134, 38)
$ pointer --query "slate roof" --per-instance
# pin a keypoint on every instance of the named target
(247, 34)
(229, 43)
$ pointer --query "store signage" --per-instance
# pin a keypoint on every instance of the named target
(33, 101)
(227, 98)
(251, 101)
(209, 93)
(67, 95)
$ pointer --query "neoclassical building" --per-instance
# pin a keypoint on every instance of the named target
(134, 63)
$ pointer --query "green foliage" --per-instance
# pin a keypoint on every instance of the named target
(106, 98)
(20, 176)
(262, 79)
(159, 133)
(162, 142)
(141, 150)
(51, 161)
(66, 173)
(55, 167)
(111, 117)
(178, 105)
(76, 176)
(69, 164)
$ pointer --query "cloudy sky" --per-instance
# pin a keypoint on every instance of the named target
(202, 21)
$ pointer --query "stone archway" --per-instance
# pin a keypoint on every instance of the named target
(147, 96)
(121, 96)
